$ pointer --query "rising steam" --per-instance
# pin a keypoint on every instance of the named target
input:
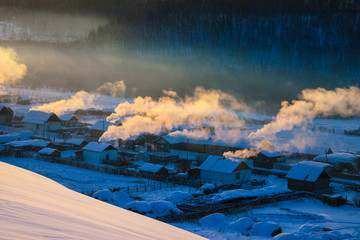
(10, 70)
(116, 89)
(81, 100)
(170, 112)
(312, 103)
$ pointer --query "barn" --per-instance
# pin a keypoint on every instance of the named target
(227, 171)
(95, 152)
(6, 115)
(308, 176)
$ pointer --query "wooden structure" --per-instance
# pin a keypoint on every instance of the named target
(153, 170)
(95, 152)
(6, 116)
(49, 153)
(266, 159)
(69, 120)
(23, 100)
(42, 123)
(226, 171)
(308, 176)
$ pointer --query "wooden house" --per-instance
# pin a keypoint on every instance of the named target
(23, 100)
(95, 152)
(75, 143)
(6, 116)
(266, 159)
(221, 170)
(153, 170)
(49, 153)
(68, 120)
(98, 129)
(308, 176)
(42, 123)
(146, 142)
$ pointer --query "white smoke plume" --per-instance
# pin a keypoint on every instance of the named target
(241, 154)
(146, 115)
(81, 100)
(10, 70)
(116, 89)
(312, 103)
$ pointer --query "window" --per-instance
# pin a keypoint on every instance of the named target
(237, 176)
(107, 157)
(211, 149)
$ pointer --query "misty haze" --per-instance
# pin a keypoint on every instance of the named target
(222, 119)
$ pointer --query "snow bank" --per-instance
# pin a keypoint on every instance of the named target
(242, 225)
(177, 197)
(266, 229)
(285, 236)
(215, 220)
(156, 209)
(105, 195)
(35, 207)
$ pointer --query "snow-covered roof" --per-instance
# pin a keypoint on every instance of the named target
(271, 154)
(337, 158)
(26, 143)
(103, 125)
(98, 147)
(219, 164)
(37, 117)
(16, 136)
(2, 107)
(75, 141)
(25, 97)
(149, 167)
(308, 171)
(66, 117)
(47, 151)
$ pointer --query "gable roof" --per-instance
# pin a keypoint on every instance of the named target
(5, 109)
(308, 171)
(67, 117)
(39, 117)
(220, 164)
(75, 141)
(149, 167)
(336, 158)
(47, 151)
(272, 154)
(98, 147)
(27, 143)
(24, 97)
(103, 125)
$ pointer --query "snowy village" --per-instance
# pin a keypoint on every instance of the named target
(180, 177)
(180, 119)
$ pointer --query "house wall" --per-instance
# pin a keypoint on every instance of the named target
(6, 119)
(210, 176)
(308, 186)
(97, 157)
(43, 129)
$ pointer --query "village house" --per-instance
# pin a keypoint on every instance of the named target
(153, 170)
(341, 162)
(308, 176)
(98, 129)
(95, 152)
(221, 170)
(23, 100)
(6, 116)
(68, 120)
(146, 142)
(266, 159)
(42, 124)
(48, 153)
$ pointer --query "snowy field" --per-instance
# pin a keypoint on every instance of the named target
(289, 215)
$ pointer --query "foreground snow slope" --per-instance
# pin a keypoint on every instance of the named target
(35, 207)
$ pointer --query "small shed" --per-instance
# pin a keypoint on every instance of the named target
(219, 169)
(76, 143)
(308, 176)
(267, 159)
(95, 152)
(153, 170)
(23, 100)
(6, 115)
(49, 153)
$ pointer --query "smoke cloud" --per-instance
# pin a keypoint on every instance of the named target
(116, 89)
(241, 154)
(81, 100)
(312, 103)
(212, 108)
(10, 70)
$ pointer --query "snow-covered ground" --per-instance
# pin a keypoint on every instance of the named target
(289, 215)
(34, 207)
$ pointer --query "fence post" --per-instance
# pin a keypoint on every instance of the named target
(128, 190)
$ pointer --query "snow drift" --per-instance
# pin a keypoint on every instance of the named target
(34, 207)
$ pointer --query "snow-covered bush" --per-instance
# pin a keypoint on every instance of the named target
(177, 197)
(242, 225)
(265, 229)
(215, 220)
(122, 198)
(164, 209)
(285, 236)
(141, 207)
(207, 188)
(105, 195)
